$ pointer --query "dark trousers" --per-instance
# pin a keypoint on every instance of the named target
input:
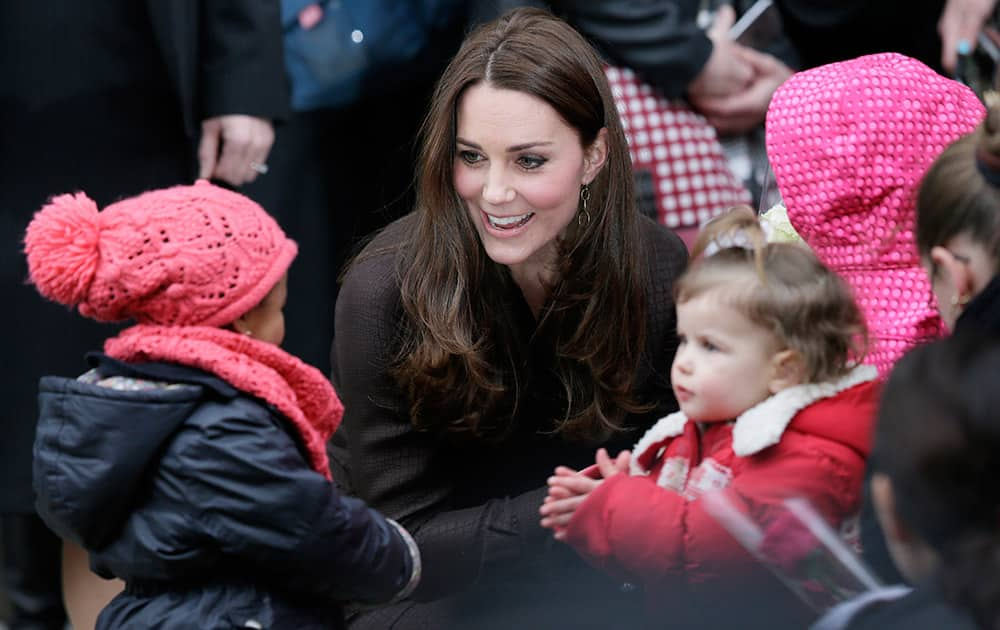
(32, 560)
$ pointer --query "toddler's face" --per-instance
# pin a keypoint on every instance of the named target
(725, 362)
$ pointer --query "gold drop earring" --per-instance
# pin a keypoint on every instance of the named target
(583, 217)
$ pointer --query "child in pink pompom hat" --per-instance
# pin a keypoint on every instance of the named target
(849, 143)
(191, 460)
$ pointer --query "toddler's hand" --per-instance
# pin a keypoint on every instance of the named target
(609, 467)
(567, 490)
(561, 492)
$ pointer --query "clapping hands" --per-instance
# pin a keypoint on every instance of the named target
(568, 488)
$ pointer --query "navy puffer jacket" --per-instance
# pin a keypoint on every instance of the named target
(201, 499)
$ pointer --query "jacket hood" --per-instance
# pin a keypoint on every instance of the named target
(93, 445)
(849, 143)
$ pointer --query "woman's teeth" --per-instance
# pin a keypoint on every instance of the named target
(507, 223)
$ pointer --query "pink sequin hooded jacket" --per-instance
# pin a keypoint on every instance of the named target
(849, 143)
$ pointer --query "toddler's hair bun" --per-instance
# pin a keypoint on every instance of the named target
(62, 244)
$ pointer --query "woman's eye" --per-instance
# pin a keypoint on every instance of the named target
(530, 162)
(470, 157)
(708, 345)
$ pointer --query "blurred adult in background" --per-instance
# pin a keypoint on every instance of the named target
(731, 85)
(342, 167)
(678, 47)
(961, 21)
(823, 31)
(114, 97)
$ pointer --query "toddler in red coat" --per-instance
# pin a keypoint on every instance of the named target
(773, 405)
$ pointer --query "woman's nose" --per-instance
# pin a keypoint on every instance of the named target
(496, 189)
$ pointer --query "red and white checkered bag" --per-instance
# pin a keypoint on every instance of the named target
(682, 177)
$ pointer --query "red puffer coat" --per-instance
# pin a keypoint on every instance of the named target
(649, 527)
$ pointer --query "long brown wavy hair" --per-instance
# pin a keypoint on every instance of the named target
(461, 362)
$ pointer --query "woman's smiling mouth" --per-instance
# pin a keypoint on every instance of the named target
(508, 223)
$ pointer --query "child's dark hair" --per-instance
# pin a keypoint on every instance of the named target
(960, 194)
(781, 287)
(937, 439)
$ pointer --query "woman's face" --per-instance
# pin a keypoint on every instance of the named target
(519, 169)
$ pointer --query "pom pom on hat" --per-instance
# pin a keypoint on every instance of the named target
(196, 255)
(62, 244)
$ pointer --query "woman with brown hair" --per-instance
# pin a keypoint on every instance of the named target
(520, 317)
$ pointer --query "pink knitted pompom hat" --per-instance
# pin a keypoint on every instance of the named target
(849, 143)
(196, 255)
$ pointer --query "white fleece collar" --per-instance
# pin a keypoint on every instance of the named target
(762, 425)
(667, 426)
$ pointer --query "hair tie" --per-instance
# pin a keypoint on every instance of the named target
(733, 238)
(774, 224)
(988, 166)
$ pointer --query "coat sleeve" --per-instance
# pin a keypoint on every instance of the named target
(660, 39)
(256, 498)
(634, 528)
(403, 472)
(241, 59)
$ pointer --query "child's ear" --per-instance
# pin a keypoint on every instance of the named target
(243, 324)
(787, 369)
(957, 273)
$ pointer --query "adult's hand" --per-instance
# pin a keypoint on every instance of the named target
(738, 113)
(725, 72)
(961, 20)
(232, 145)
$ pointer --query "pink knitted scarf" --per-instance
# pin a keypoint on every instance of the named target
(297, 390)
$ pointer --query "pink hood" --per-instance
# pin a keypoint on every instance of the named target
(849, 143)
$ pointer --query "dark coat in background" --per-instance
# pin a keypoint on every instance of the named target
(105, 97)
(824, 31)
